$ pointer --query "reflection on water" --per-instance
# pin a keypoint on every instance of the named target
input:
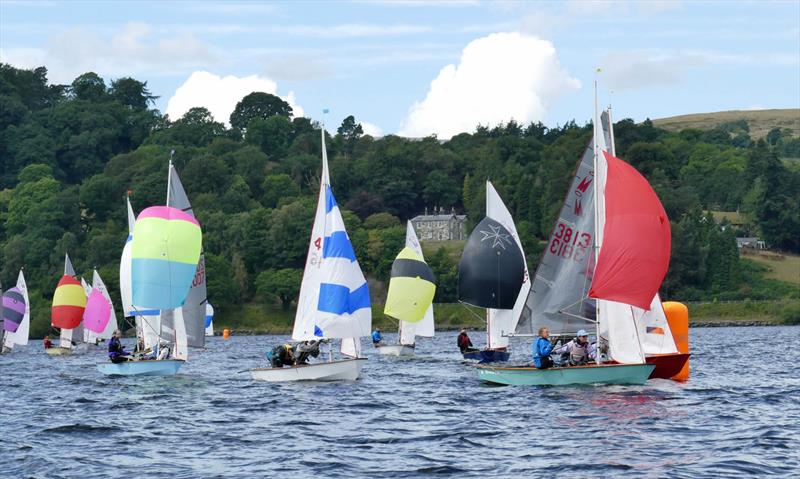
(406, 417)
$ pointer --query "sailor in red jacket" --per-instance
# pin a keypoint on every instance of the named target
(464, 344)
(47, 343)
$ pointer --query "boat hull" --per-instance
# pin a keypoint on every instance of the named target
(591, 374)
(666, 365)
(153, 367)
(488, 356)
(58, 351)
(396, 350)
(344, 370)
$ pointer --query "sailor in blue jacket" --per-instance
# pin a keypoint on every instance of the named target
(541, 350)
(376, 337)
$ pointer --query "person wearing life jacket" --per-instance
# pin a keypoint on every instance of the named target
(542, 348)
(282, 355)
(47, 343)
(116, 351)
(377, 337)
(305, 350)
(577, 352)
(464, 343)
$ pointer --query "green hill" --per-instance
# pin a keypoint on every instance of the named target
(760, 121)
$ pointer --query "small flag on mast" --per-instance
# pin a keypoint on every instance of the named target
(326, 111)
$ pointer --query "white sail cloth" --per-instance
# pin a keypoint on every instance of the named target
(334, 297)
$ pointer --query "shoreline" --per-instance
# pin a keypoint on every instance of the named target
(692, 324)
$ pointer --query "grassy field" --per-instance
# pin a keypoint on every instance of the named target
(783, 267)
(760, 121)
(453, 248)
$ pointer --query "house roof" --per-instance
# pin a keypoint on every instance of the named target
(445, 217)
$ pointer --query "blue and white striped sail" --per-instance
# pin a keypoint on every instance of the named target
(334, 297)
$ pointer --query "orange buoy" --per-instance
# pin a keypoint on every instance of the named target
(226, 333)
(678, 319)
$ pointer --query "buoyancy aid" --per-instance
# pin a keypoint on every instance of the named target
(579, 354)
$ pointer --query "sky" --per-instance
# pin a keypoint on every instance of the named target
(417, 68)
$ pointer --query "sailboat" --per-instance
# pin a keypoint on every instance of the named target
(99, 318)
(334, 300)
(69, 302)
(164, 253)
(612, 214)
(209, 319)
(16, 314)
(410, 297)
(493, 274)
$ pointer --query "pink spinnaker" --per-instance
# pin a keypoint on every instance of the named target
(97, 313)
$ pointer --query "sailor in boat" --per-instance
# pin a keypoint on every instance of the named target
(305, 350)
(464, 343)
(542, 349)
(47, 343)
(116, 351)
(282, 355)
(140, 343)
(377, 337)
(577, 352)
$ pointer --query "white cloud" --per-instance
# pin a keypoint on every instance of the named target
(500, 77)
(371, 130)
(221, 94)
(134, 49)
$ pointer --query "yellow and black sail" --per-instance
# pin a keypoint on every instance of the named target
(411, 287)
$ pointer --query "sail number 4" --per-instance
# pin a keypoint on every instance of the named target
(570, 244)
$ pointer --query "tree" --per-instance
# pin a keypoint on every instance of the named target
(278, 187)
(273, 135)
(89, 86)
(258, 105)
(131, 93)
(349, 132)
(282, 284)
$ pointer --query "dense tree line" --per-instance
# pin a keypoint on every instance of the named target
(69, 154)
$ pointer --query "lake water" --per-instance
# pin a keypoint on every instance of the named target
(739, 415)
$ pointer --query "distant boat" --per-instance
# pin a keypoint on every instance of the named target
(16, 314)
(573, 291)
(164, 252)
(493, 274)
(99, 318)
(410, 297)
(209, 319)
(334, 298)
(69, 303)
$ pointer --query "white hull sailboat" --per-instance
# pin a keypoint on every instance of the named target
(341, 370)
(396, 350)
(410, 297)
(334, 298)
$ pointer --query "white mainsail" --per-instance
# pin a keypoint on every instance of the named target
(425, 327)
(501, 322)
(125, 288)
(194, 307)
(20, 336)
(334, 297)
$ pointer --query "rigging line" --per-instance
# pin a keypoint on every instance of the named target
(471, 311)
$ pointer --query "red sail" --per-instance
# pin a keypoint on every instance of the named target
(634, 256)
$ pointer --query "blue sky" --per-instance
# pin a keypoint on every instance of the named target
(377, 60)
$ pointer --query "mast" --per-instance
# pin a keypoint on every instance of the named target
(169, 174)
(596, 217)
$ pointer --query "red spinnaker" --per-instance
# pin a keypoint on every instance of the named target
(634, 256)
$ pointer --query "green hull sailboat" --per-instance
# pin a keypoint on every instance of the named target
(590, 374)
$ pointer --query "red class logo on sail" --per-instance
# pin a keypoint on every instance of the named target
(580, 190)
(200, 273)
